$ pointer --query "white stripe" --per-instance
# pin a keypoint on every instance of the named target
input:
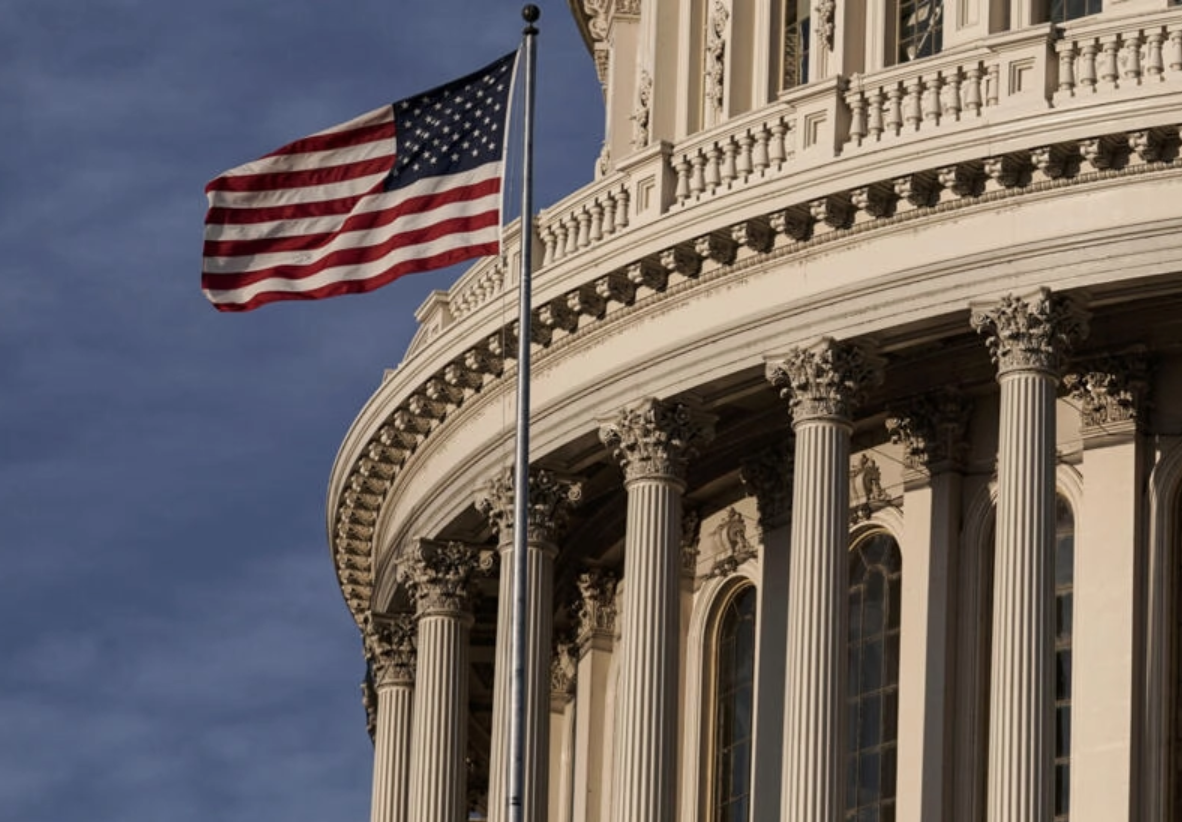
(354, 239)
(353, 273)
(311, 160)
(294, 196)
(377, 202)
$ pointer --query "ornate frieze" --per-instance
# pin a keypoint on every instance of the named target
(715, 73)
(390, 649)
(551, 498)
(1110, 390)
(595, 608)
(643, 111)
(931, 428)
(440, 576)
(733, 546)
(656, 439)
(1033, 333)
(827, 379)
(767, 475)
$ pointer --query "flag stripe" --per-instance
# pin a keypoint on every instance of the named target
(305, 178)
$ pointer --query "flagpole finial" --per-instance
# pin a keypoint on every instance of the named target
(530, 13)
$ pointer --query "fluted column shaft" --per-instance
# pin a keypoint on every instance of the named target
(550, 499)
(822, 384)
(390, 648)
(440, 577)
(653, 443)
(1029, 338)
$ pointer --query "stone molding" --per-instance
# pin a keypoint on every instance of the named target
(595, 608)
(551, 499)
(656, 439)
(826, 380)
(932, 429)
(1112, 391)
(767, 475)
(390, 649)
(441, 576)
(377, 462)
(1031, 333)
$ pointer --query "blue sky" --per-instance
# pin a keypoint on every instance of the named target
(173, 645)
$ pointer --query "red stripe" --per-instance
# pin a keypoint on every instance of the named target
(356, 222)
(339, 139)
(353, 256)
(324, 175)
(371, 283)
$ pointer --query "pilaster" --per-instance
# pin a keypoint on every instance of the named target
(595, 612)
(563, 675)
(439, 577)
(823, 384)
(1028, 338)
(550, 500)
(653, 443)
(931, 429)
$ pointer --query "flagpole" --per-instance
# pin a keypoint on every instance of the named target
(517, 723)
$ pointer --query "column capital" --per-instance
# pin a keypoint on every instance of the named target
(369, 701)
(825, 380)
(931, 428)
(551, 499)
(595, 608)
(1035, 332)
(390, 649)
(656, 439)
(564, 668)
(767, 475)
(440, 576)
(1112, 391)
(691, 529)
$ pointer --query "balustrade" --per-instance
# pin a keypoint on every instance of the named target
(1109, 56)
(721, 159)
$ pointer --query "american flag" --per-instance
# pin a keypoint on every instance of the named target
(408, 187)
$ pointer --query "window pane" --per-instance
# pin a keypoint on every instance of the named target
(872, 622)
(870, 722)
(733, 688)
(868, 787)
(1062, 732)
(871, 666)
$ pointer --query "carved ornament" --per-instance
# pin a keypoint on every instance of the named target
(734, 547)
(656, 439)
(564, 669)
(390, 649)
(691, 526)
(595, 609)
(715, 73)
(866, 492)
(931, 428)
(825, 10)
(827, 379)
(440, 576)
(551, 498)
(1033, 333)
(1111, 389)
(643, 111)
(767, 475)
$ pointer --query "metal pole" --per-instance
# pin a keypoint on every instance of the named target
(517, 719)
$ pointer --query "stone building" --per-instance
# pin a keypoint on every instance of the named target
(857, 436)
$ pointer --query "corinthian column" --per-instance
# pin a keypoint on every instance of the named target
(439, 577)
(595, 612)
(1028, 338)
(391, 651)
(550, 501)
(653, 442)
(822, 384)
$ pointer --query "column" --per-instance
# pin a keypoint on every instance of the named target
(1028, 339)
(390, 648)
(550, 501)
(653, 443)
(563, 672)
(823, 384)
(768, 475)
(596, 615)
(931, 429)
(1110, 392)
(439, 577)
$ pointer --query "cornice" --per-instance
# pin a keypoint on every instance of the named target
(405, 413)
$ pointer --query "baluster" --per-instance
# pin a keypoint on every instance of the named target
(572, 234)
(856, 101)
(1108, 68)
(596, 222)
(874, 118)
(698, 175)
(729, 148)
(713, 155)
(993, 85)
(894, 114)
(559, 240)
(682, 168)
(743, 163)
(584, 220)
(759, 154)
(1130, 57)
(912, 109)
(622, 208)
(776, 152)
(1176, 50)
(972, 90)
(1067, 67)
(950, 96)
(1154, 69)
(547, 246)
(1087, 66)
(609, 214)
(931, 100)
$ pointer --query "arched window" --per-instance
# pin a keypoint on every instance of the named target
(872, 686)
(920, 29)
(734, 690)
(1064, 585)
